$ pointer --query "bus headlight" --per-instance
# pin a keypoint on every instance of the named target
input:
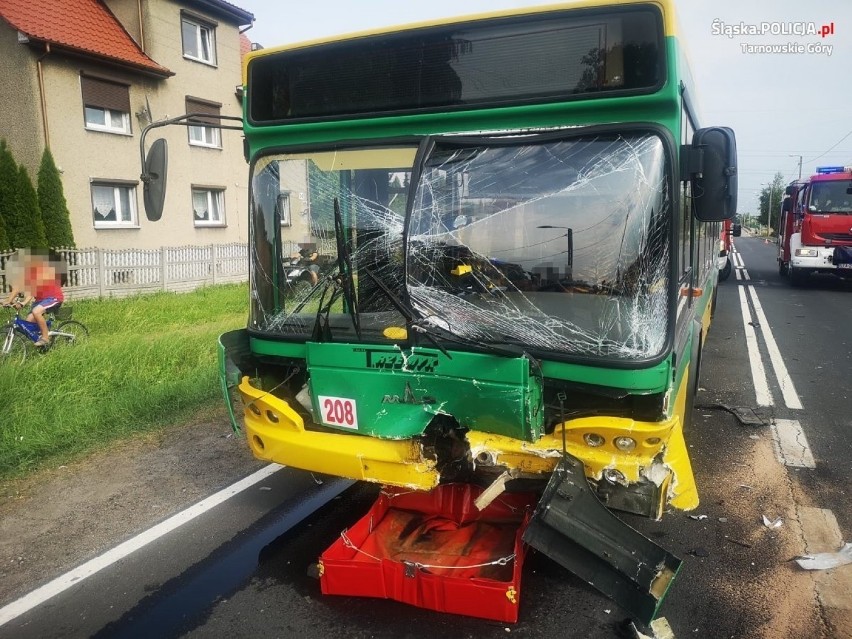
(625, 443)
(806, 252)
(593, 439)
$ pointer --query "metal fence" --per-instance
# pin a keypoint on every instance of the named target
(97, 272)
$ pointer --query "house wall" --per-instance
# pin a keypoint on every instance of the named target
(84, 155)
(20, 110)
(188, 165)
(127, 13)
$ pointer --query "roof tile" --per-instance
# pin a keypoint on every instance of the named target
(82, 25)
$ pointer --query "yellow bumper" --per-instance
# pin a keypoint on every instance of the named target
(276, 433)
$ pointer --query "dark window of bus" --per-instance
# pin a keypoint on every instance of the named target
(495, 62)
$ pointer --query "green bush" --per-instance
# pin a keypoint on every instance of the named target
(51, 202)
(8, 190)
(27, 228)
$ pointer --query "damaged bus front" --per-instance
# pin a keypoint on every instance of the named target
(505, 276)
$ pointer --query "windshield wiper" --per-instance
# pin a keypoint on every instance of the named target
(405, 311)
(322, 329)
(344, 268)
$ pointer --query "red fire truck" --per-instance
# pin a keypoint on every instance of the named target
(815, 231)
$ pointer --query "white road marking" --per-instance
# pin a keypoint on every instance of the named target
(62, 583)
(791, 445)
(758, 373)
(788, 390)
(738, 274)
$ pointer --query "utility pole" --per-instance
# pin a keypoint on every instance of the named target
(800, 163)
(769, 213)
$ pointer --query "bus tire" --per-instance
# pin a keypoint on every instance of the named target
(725, 273)
(694, 376)
(782, 268)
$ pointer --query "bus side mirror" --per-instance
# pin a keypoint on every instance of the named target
(787, 205)
(790, 190)
(154, 179)
(714, 186)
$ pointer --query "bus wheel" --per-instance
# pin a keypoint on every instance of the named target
(725, 273)
(782, 268)
(694, 376)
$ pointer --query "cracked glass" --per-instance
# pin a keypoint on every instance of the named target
(546, 242)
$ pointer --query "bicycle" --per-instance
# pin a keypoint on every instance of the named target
(18, 336)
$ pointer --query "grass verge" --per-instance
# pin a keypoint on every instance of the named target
(149, 362)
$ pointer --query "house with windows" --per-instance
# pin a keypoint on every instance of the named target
(84, 77)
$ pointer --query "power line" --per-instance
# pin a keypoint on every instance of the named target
(831, 148)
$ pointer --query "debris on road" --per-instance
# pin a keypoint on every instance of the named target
(772, 523)
(738, 542)
(826, 560)
(660, 629)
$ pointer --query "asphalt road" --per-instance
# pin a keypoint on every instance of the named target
(241, 568)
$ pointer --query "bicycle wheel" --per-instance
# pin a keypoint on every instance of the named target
(14, 347)
(68, 333)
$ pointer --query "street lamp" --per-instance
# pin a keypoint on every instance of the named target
(569, 233)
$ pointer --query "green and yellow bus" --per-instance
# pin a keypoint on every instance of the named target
(480, 247)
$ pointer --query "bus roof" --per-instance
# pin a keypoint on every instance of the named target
(666, 6)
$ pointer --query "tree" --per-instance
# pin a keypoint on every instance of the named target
(772, 194)
(8, 189)
(51, 202)
(28, 228)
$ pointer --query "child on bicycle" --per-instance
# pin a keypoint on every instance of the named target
(41, 279)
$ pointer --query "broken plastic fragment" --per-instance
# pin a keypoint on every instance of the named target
(698, 517)
(494, 490)
(826, 560)
(660, 629)
(772, 523)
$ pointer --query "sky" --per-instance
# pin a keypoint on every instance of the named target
(782, 106)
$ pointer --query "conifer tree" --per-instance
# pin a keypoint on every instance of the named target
(28, 228)
(8, 190)
(51, 202)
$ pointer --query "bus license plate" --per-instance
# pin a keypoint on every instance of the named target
(338, 411)
(844, 266)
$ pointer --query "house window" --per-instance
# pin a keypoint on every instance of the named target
(199, 41)
(106, 105)
(114, 205)
(208, 206)
(284, 208)
(207, 113)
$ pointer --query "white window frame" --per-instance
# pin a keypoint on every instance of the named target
(215, 205)
(206, 136)
(115, 121)
(200, 30)
(284, 208)
(132, 222)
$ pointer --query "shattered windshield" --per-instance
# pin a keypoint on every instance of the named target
(553, 245)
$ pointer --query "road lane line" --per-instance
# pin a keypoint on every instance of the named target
(77, 575)
(758, 373)
(788, 390)
(738, 274)
(791, 445)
